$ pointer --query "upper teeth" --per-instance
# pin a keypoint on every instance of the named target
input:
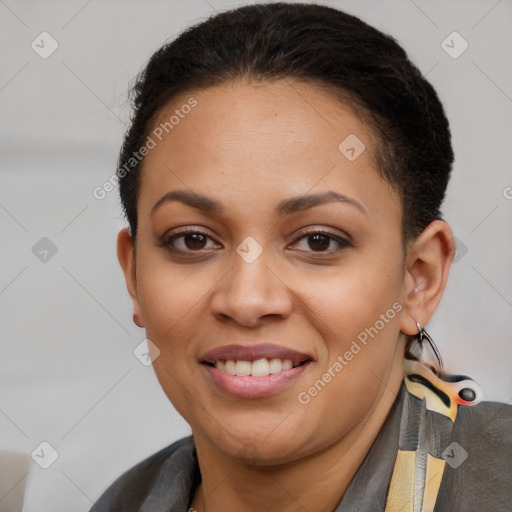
(258, 368)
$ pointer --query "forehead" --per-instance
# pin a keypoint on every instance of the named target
(296, 117)
(263, 140)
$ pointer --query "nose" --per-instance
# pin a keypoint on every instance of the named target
(251, 293)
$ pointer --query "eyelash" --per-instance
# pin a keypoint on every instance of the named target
(168, 240)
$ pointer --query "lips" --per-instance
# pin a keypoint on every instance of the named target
(253, 353)
(254, 371)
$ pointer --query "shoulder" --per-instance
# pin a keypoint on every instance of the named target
(486, 414)
(163, 477)
(486, 428)
(479, 459)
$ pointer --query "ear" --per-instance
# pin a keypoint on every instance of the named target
(428, 263)
(126, 257)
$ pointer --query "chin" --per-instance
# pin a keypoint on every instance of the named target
(260, 446)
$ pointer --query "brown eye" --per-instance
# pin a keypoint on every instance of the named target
(194, 240)
(320, 241)
(189, 240)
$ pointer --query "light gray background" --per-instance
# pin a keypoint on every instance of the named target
(68, 375)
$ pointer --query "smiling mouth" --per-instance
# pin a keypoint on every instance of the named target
(257, 368)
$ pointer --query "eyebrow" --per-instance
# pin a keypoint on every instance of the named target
(285, 207)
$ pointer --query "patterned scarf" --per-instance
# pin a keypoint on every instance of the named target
(422, 453)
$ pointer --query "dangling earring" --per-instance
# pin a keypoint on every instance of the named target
(426, 378)
(422, 335)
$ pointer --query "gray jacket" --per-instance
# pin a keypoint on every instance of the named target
(477, 476)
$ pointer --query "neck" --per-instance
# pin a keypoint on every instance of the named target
(315, 483)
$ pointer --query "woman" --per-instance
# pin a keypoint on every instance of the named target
(282, 179)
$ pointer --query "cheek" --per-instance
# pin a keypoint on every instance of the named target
(356, 313)
(360, 327)
(170, 296)
(353, 298)
(172, 305)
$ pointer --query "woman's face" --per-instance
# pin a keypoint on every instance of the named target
(261, 172)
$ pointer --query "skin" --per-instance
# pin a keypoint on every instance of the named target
(249, 146)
